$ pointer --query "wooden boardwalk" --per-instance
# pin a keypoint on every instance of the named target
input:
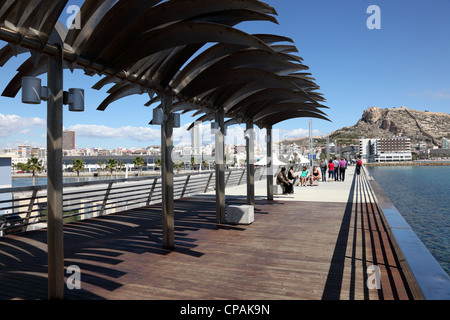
(295, 250)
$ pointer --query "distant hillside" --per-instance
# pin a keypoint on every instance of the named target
(420, 126)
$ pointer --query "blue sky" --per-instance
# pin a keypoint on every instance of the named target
(405, 63)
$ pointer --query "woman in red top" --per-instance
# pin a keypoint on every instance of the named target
(330, 171)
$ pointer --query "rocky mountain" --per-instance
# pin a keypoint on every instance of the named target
(429, 127)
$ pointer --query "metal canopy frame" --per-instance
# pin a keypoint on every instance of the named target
(155, 47)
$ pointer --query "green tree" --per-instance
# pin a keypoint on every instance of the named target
(22, 166)
(111, 165)
(177, 166)
(158, 163)
(120, 165)
(33, 165)
(139, 163)
(100, 164)
(78, 165)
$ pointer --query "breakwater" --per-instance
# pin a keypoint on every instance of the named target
(408, 163)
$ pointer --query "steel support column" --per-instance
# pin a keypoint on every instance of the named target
(250, 164)
(269, 172)
(55, 239)
(167, 173)
(220, 167)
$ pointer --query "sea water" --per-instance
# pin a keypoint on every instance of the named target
(25, 182)
(422, 195)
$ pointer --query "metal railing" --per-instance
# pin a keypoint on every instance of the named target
(25, 208)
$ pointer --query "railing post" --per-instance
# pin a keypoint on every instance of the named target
(228, 178)
(185, 186)
(242, 176)
(30, 209)
(209, 181)
(151, 191)
(167, 173)
(105, 200)
(55, 178)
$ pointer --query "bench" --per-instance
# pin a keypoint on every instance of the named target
(240, 214)
(277, 189)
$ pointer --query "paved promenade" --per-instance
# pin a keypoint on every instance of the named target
(317, 243)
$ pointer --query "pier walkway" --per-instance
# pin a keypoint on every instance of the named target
(317, 243)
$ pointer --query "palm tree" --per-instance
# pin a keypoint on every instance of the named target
(177, 166)
(33, 165)
(120, 164)
(100, 164)
(111, 165)
(139, 163)
(78, 165)
(158, 164)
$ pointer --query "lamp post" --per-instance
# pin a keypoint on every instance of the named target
(168, 120)
(33, 93)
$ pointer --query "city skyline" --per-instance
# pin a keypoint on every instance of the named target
(405, 63)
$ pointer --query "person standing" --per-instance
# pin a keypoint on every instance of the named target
(358, 165)
(331, 171)
(336, 169)
(323, 167)
(342, 167)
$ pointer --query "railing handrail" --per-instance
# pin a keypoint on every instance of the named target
(25, 205)
(107, 181)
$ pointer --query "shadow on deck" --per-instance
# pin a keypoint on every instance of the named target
(301, 250)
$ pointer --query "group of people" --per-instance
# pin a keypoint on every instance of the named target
(336, 171)
(288, 180)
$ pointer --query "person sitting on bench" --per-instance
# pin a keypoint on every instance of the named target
(283, 181)
(304, 176)
(291, 176)
(315, 175)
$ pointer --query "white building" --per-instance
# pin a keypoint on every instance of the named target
(385, 149)
(24, 151)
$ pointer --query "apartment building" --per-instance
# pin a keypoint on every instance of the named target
(385, 149)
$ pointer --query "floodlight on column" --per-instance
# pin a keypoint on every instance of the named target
(214, 127)
(176, 120)
(32, 91)
(158, 116)
(75, 100)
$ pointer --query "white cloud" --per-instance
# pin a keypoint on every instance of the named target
(139, 134)
(298, 133)
(11, 124)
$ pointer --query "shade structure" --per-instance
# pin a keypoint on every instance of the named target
(152, 47)
(187, 55)
(275, 162)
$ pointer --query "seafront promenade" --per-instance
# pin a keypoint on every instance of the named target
(322, 242)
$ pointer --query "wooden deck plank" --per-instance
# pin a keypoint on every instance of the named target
(294, 250)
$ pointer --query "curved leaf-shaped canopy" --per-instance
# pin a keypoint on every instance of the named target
(155, 47)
